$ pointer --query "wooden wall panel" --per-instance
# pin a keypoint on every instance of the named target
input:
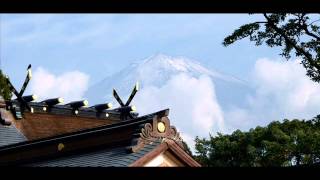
(36, 126)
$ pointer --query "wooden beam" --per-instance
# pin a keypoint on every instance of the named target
(167, 145)
(149, 156)
(181, 154)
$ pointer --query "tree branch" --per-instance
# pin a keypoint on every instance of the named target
(305, 28)
(303, 25)
(313, 22)
(298, 48)
(261, 22)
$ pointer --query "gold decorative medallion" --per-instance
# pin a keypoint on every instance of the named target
(161, 127)
(60, 146)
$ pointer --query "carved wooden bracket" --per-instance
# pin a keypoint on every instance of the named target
(158, 130)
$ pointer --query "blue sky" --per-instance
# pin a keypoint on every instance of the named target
(78, 50)
(100, 44)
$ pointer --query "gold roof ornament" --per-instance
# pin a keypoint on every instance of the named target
(61, 146)
(161, 127)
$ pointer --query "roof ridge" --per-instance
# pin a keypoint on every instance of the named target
(108, 134)
(96, 129)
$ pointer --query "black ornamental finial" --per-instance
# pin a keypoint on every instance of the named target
(125, 109)
(22, 100)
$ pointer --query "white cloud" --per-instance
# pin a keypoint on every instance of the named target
(70, 85)
(286, 83)
(238, 118)
(282, 91)
(189, 139)
(194, 108)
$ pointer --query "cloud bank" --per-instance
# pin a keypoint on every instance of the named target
(282, 91)
(70, 85)
(194, 108)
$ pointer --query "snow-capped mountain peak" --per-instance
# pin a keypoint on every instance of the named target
(155, 70)
(163, 63)
(180, 64)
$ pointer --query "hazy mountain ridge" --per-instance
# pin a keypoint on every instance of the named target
(157, 70)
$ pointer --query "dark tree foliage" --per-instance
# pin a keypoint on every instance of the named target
(298, 33)
(286, 143)
(4, 88)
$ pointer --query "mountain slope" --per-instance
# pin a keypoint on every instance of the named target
(198, 98)
(156, 71)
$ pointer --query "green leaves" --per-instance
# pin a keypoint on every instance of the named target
(315, 29)
(243, 32)
(4, 88)
(285, 143)
(296, 33)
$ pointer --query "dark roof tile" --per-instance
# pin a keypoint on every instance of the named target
(10, 135)
(102, 158)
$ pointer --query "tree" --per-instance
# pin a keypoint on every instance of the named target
(4, 88)
(286, 143)
(299, 32)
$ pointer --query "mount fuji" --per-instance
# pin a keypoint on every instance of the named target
(156, 70)
(195, 95)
